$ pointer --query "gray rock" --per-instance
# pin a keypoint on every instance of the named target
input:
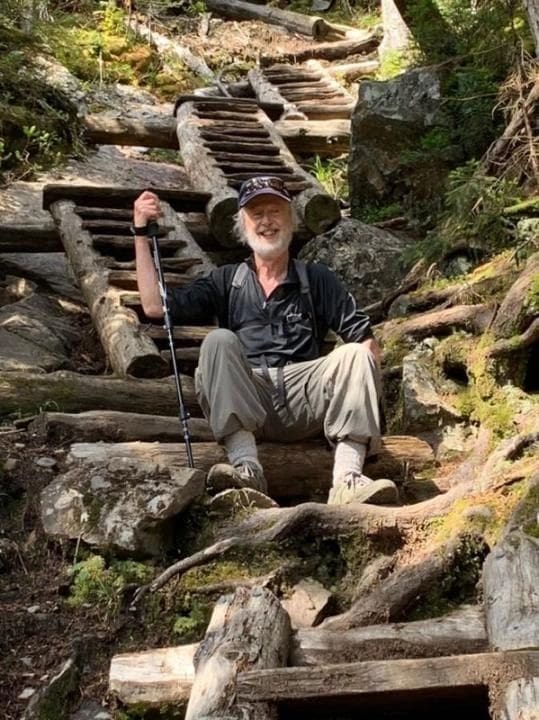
(423, 406)
(52, 700)
(308, 603)
(36, 334)
(50, 270)
(388, 120)
(366, 258)
(125, 504)
(9, 554)
(10, 464)
(45, 462)
(91, 710)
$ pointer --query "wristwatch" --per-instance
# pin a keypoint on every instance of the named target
(139, 230)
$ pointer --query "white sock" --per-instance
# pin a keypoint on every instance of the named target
(349, 457)
(241, 447)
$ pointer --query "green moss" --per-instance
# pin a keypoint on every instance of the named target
(94, 583)
(393, 63)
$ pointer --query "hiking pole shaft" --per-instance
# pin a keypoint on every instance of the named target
(183, 415)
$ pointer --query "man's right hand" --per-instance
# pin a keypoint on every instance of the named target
(145, 208)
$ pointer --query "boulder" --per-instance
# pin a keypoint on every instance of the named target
(389, 119)
(366, 258)
(36, 333)
(53, 699)
(424, 408)
(50, 271)
(124, 504)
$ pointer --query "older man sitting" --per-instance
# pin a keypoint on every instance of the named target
(261, 374)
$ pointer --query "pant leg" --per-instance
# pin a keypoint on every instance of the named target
(231, 395)
(337, 394)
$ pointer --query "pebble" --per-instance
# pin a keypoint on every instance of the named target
(27, 661)
(45, 462)
(10, 464)
(33, 609)
(27, 693)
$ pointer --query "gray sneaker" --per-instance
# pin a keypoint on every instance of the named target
(246, 475)
(356, 488)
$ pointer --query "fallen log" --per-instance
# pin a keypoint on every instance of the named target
(266, 92)
(166, 45)
(521, 699)
(129, 351)
(352, 71)
(315, 137)
(511, 580)
(325, 51)
(399, 677)
(26, 393)
(115, 426)
(248, 630)
(315, 26)
(462, 631)
(297, 470)
(154, 131)
(518, 310)
(165, 676)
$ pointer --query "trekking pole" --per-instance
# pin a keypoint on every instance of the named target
(183, 415)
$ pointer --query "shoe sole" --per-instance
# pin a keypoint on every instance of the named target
(243, 499)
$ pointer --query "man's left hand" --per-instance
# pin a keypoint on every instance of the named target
(373, 347)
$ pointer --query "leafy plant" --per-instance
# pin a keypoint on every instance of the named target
(331, 174)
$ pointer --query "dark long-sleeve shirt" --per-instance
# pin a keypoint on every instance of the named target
(279, 329)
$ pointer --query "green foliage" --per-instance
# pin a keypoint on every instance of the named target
(96, 584)
(474, 212)
(393, 63)
(332, 174)
(194, 616)
(373, 213)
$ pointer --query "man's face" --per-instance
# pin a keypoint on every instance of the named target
(267, 224)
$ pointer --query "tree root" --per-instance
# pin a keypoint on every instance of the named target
(276, 525)
(516, 343)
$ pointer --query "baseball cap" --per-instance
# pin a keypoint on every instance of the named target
(262, 185)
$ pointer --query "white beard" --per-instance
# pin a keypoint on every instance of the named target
(269, 250)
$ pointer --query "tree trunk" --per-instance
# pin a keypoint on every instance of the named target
(248, 630)
(521, 701)
(396, 34)
(153, 131)
(353, 71)
(520, 306)
(266, 93)
(317, 27)
(532, 8)
(129, 351)
(297, 470)
(166, 45)
(326, 138)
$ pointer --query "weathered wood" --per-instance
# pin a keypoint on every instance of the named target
(517, 311)
(300, 469)
(154, 131)
(112, 425)
(521, 701)
(325, 51)
(111, 196)
(352, 71)
(29, 238)
(71, 392)
(266, 92)
(165, 676)
(532, 8)
(393, 676)
(155, 677)
(320, 137)
(473, 318)
(460, 632)
(247, 630)
(166, 45)
(511, 580)
(315, 26)
(128, 350)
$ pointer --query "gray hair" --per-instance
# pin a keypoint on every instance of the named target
(239, 223)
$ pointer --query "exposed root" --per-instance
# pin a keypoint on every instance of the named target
(516, 343)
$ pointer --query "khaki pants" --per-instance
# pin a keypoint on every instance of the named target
(337, 394)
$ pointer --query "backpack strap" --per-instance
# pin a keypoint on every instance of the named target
(240, 274)
(305, 289)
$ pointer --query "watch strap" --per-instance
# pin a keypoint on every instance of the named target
(139, 230)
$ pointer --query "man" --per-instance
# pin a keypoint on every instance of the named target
(260, 375)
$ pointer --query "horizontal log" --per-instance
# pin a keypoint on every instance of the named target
(320, 137)
(292, 470)
(101, 425)
(325, 51)
(399, 677)
(120, 197)
(165, 676)
(460, 632)
(30, 237)
(23, 392)
(127, 279)
(156, 131)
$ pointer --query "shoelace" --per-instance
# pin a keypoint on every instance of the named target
(355, 480)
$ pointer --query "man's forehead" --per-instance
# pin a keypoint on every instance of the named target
(263, 201)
